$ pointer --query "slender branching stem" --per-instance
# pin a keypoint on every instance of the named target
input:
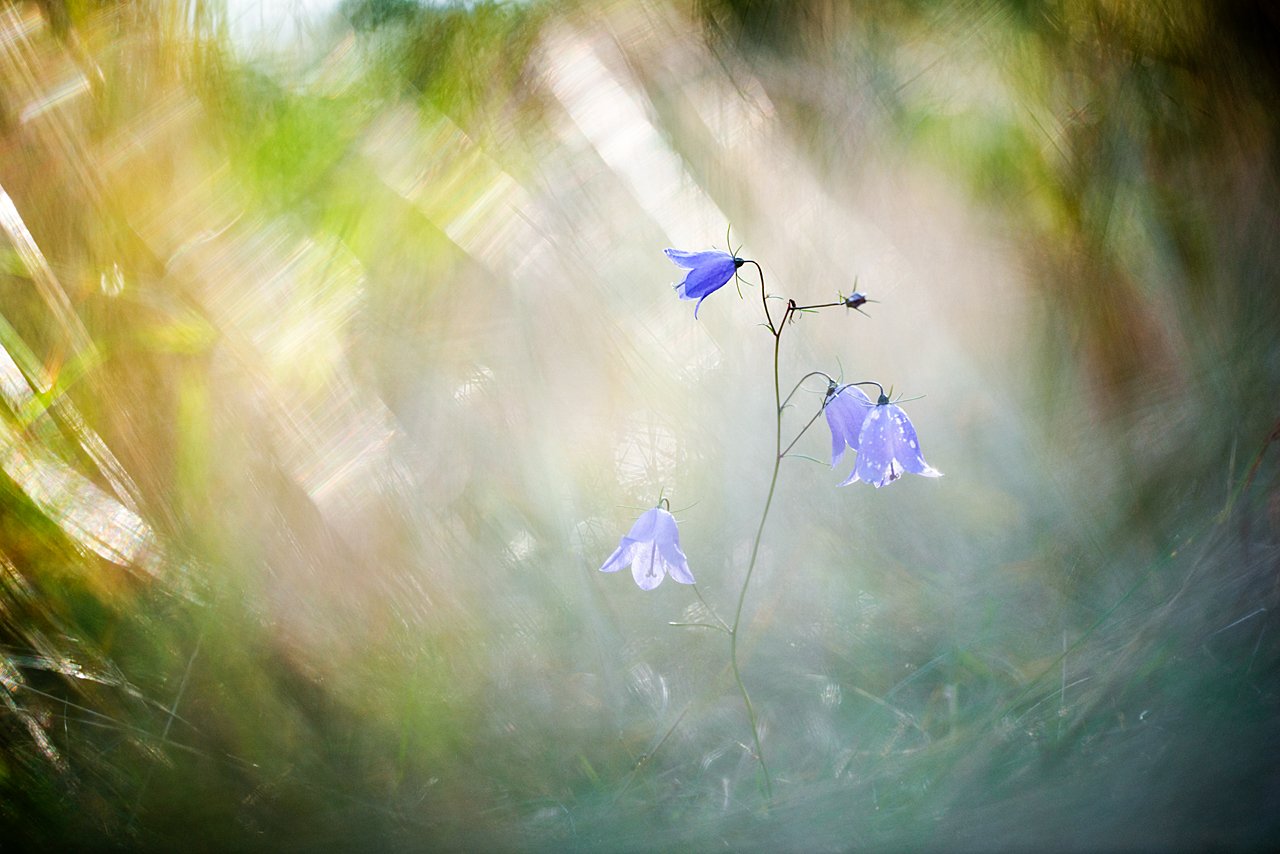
(735, 629)
(796, 388)
(803, 430)
(867, 382)
(822, 305)
(710, 610)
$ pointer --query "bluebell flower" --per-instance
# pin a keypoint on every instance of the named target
(846, 408)
(708, 273)
(887, 447)
(652, 548)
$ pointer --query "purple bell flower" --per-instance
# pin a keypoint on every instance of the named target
(887, 447)
(708, 273)
(846, 408)
(652, 548)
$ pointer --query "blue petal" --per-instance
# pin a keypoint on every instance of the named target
(664, 527)
(647, 568)
(846, 411)
(888, 447)
(907, 447)
(621, 557)
(677, 563)
(645, 526)
(668, 539)
(689, 260)
(876, 464)
(706, 278)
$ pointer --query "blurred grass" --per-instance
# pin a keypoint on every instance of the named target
(332, 371)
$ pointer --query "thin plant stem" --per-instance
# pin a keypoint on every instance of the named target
(820, 305)
(734, 631)
(646, 756)
(803, 430)
(764, 299)
(710, 610)
(801, 382)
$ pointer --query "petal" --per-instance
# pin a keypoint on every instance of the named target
(617, 560)
(624, 555)
(645, 526)
(664, 527)
(705, 280)
(907, 444)
(876, 464)
(667, 536)
(677, 563)
(647, 567)
(689, 260)
(838, 442)
(839, 438)
(846, 411)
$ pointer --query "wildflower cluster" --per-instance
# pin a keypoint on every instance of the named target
(879, 432)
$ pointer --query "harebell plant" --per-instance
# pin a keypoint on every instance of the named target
(879, 433)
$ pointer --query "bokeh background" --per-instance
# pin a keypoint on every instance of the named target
(337, 351)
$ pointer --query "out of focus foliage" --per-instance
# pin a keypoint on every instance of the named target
(334, 360)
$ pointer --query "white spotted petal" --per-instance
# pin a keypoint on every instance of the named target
(888, 447)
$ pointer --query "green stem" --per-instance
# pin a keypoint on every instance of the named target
(712, 611)
(796, 387)
(755, 551)
(799, 435)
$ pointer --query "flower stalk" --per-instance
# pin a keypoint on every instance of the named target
(879, 433)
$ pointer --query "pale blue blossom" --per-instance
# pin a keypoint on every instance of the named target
(888, 447)
(652, 548)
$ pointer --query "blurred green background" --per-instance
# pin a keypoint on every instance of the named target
(337, 351)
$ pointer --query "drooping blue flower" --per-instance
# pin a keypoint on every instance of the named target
(708, 272)
(887, 447)
(652, 548)
(846, 408)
